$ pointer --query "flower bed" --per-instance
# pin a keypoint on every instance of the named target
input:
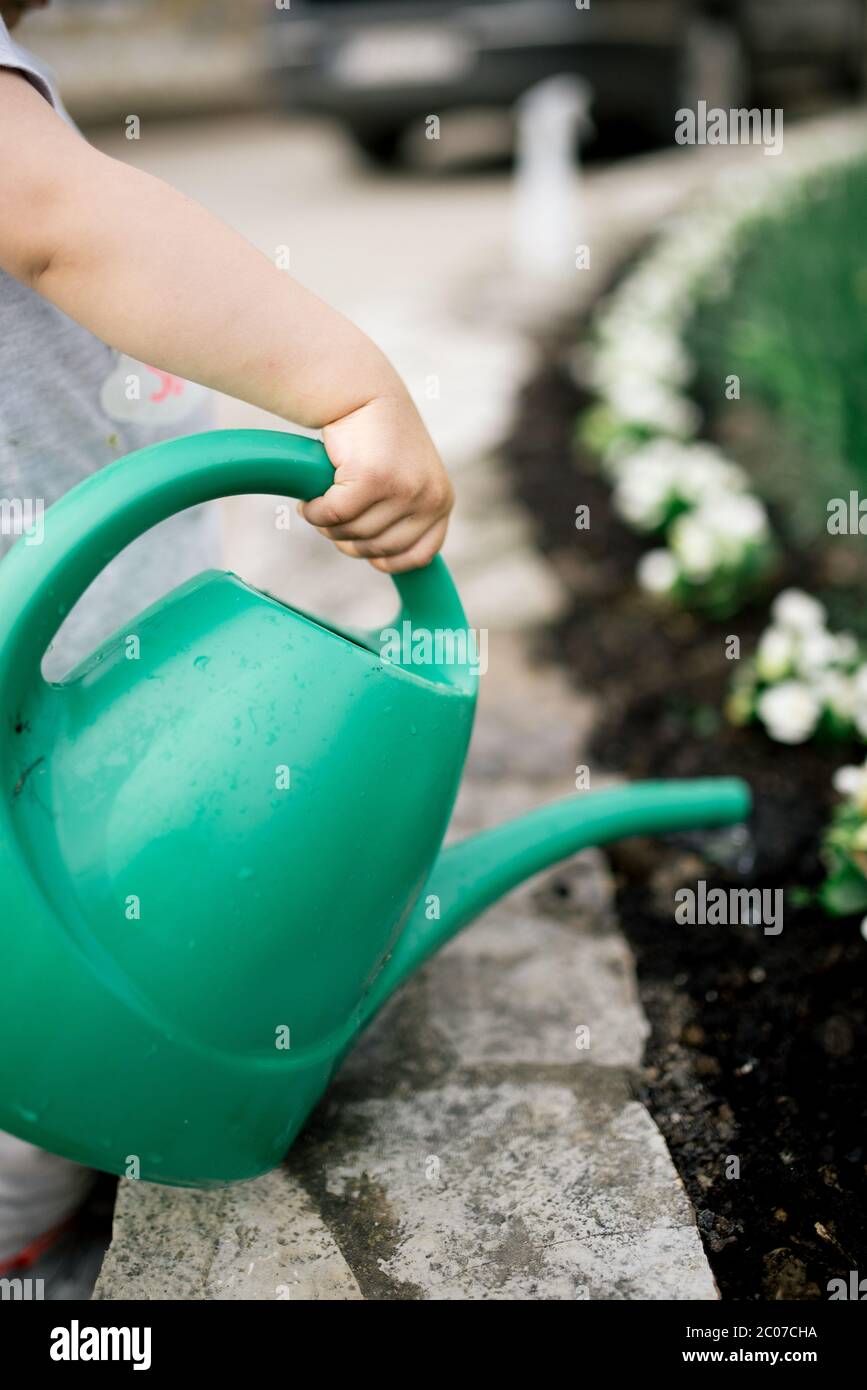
(719, 305)
(758, 1041)
(713, 302)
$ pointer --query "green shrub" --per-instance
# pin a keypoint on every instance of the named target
(792, 326)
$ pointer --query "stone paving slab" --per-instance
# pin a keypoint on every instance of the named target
(519, 969)
(260, 1240)
(509, 1190)
(518, 1189)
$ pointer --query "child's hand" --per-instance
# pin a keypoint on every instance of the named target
(391, 496)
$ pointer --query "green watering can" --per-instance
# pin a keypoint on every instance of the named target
(220, 834)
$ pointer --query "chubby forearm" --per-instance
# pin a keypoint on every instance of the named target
(156, 275)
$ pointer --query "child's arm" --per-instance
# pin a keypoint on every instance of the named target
(157, 276)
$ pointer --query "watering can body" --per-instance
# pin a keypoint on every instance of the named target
(218, 834)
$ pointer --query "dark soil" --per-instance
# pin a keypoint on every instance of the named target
(759, 1043)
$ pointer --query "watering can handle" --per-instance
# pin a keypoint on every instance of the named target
(39, 584)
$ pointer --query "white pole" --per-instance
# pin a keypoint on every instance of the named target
(546, 204)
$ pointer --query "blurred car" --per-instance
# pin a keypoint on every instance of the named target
(380, 64)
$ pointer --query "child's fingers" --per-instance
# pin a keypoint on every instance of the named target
(343, 502)
(394, 540)
(373, 522)
(347, 501)
(419, 554)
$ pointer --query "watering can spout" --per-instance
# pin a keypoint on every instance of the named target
(468, 877)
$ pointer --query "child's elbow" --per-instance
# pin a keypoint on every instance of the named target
(36, 172)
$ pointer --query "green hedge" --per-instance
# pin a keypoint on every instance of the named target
(793, 327)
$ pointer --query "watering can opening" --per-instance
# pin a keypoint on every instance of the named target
(216, 871)
(445, 660)
(399, 649)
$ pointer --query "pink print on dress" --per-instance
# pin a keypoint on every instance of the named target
(139, 394)
(170, 385)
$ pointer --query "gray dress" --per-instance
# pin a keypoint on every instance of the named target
(69, 404)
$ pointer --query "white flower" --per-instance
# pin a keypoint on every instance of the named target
(789, 711)
(695, 545)
(738, 519)
(615, 455)
(859, 685)
(657, 291)
(657, 571)
(860, 682)
(630, 346)
(851, 782)
(837, 693)
(647, 485)
(817, 650)
(705, 474)
(653, 478)
(717, 535)
(797, 611)
(774, 654)
(639, 400)
(847, 649)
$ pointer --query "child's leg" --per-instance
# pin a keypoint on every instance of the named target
(38, 1192)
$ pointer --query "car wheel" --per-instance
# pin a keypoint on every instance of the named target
(382, 145)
